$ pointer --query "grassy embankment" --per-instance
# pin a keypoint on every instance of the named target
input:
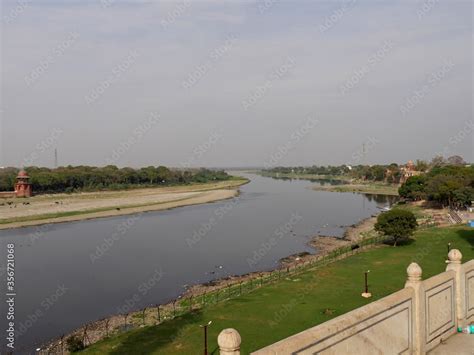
(298, 302)
(305, 176)
(349, 184)
(371, 188)
(181, 201)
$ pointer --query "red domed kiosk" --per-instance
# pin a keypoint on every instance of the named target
(23, 186)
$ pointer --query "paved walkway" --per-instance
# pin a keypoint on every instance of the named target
(459, 344)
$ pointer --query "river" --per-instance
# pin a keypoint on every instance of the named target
(73, 273)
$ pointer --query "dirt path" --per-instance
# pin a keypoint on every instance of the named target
(59, 208)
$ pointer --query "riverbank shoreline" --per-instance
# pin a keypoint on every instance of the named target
(322, 245)
(305, 176)
(347, 184)
(63, 208)
(366, 188)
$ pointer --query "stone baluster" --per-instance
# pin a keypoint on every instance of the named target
(414, 273)
(229, 342)
(454, 264)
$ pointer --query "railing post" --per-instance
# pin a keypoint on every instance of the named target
(454, 264)
(229, 342)
(414, 273)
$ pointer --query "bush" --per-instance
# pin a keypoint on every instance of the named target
(74, 344)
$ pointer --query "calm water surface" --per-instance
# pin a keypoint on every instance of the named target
(73, 273)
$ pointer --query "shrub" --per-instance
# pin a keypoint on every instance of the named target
(397, 224)
(74, 344)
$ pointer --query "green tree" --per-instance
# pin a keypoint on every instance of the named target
(421, 165)
(413, 188)
(456, 160)
(397, 224)
(441, 188)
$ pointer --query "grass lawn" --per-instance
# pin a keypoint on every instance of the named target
(291, 305)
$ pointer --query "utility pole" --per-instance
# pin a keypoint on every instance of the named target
(55, 157)
(363, 153)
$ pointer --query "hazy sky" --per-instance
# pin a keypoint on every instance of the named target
(267, 82)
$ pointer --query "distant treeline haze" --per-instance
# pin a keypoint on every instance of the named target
(389, 173)
(89, 178)
(363, 172)
(449, 182)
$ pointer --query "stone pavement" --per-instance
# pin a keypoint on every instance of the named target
(459, 344)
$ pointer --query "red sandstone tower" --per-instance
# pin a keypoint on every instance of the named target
(23, 186)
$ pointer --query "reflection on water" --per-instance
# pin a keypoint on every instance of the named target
(382, 199)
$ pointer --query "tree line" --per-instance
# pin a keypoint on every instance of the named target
(389, 173)
(448, 185)
(360, 172)
(90, 178)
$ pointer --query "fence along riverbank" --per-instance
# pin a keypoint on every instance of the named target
(226, 290)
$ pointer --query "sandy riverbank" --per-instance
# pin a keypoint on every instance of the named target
(324, 245)
(60, 208)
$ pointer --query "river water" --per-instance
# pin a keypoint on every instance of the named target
(73, 273)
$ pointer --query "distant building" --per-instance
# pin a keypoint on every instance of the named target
(407, 171)
(22, 187)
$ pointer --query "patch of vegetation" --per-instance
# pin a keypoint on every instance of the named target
(398, 224)
(89, 178)
(74, 344)
(371, 188)
(450, 185)
(285, 307)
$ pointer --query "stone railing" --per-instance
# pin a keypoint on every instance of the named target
(413, 320)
